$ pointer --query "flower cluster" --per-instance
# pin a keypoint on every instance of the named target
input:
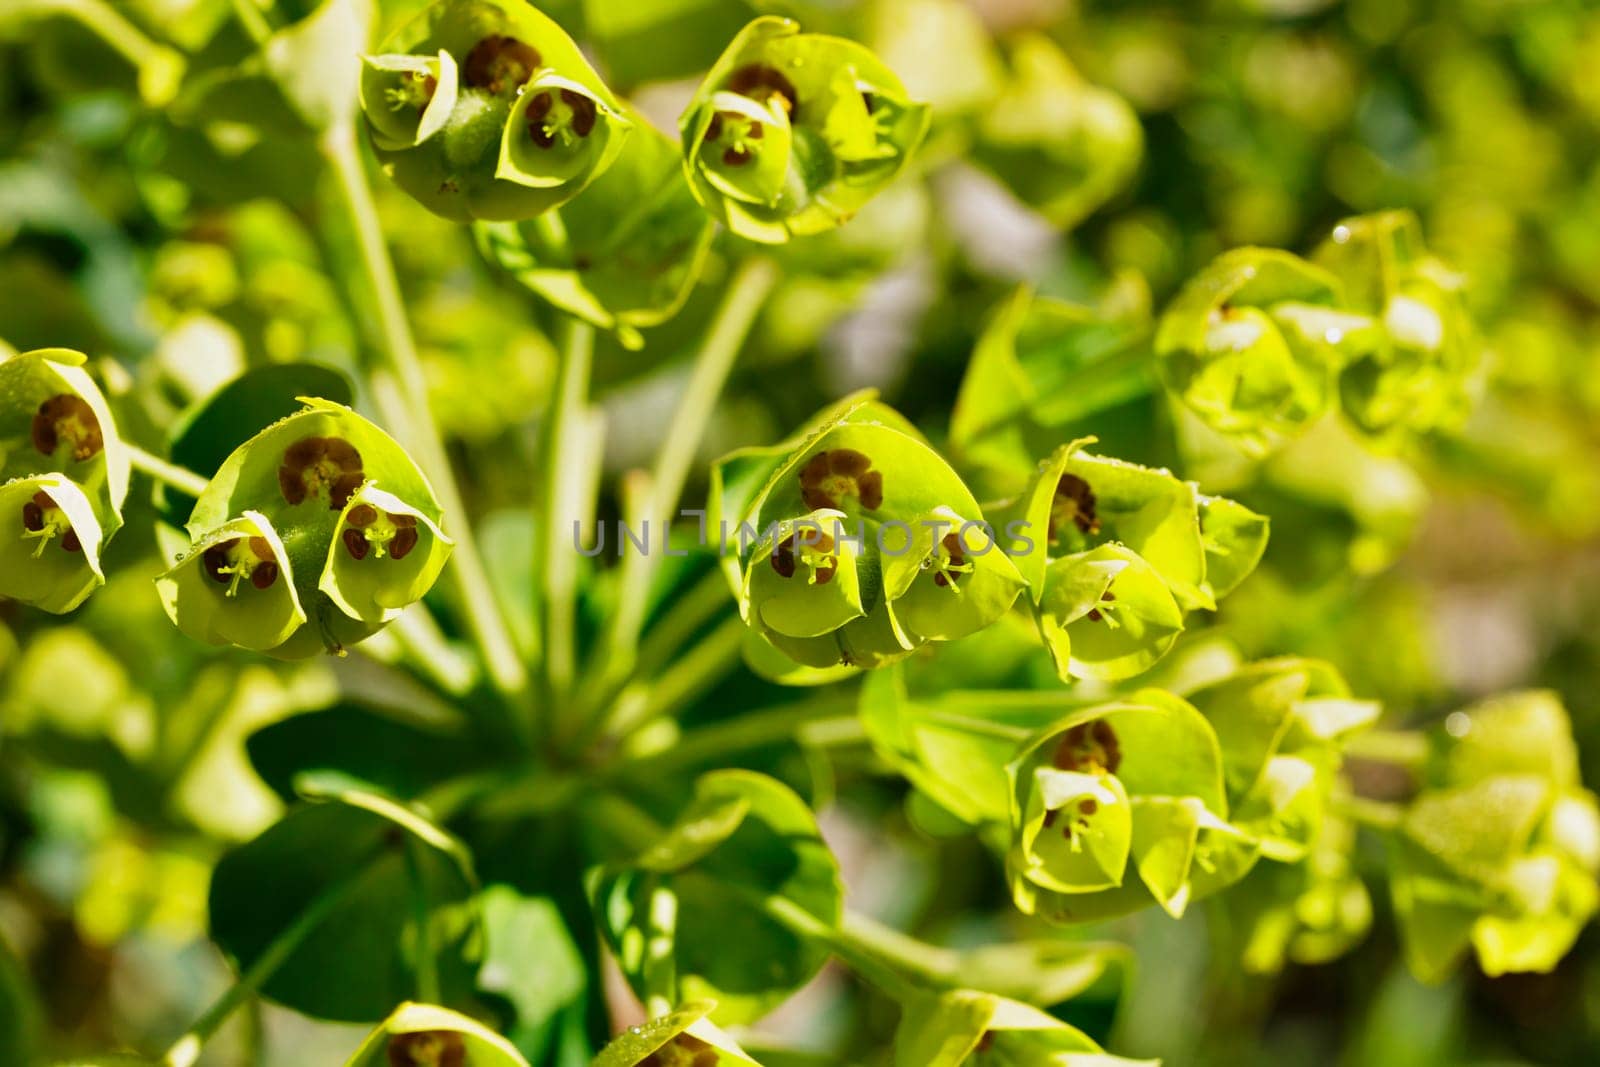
(486, 109)
(1115, 554)
(1262, 343)
(63, 478)
(1501, 848)
(791, 133)
(320, 518)
(858, 542)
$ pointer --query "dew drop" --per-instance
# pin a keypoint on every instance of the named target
(1333, 336)
(1341, 234)
(1457, 724)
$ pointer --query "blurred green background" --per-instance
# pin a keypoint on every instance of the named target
(175, 245)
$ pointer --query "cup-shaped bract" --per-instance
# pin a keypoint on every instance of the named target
(625, 254)
(54, 419)
(1119, 805)
(1501, 849)
(900, 553)
(1254, 343)
(50, 543)
(386, 554)
(423, 1035)
(968, 1028)
(791, 133)
(681, 1038)
(354, 522)
(1416, 375)
(235, 587)
(1107, 614)
(486, 109)
(1282, 723)
(1061, 144)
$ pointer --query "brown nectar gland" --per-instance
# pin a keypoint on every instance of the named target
(1095, 614)
(761, 82)
(427, 1048)
(684, 1050)
(500, 64)
(955, 562)
(1074, 502)
(368, 530)
(43, 519)
(69, 418)
(816, 548)
(314, 464)
(1089, 748)
(831, 476)
(241, 559)
(548, 124)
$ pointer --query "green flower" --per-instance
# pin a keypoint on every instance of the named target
(1415, 373)
(896, 551)
(353, 528)
(50, 543)
(1501, 849)
(486, 109)
(235, 587)
(422, 1035)
(791, 133)
(1118, 805)
(966, 1028)
(1254, 344)
(681, 1038)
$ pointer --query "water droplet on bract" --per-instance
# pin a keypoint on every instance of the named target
(1333, 336)
(1341, 234)
(927, 564)
(1457, 724)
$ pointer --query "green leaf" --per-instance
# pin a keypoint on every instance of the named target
(390, 752)
(529, 958)
(965, 1027)
(208, 433)
(625, 253)
(1527, 733)
(686, 918)
(1235, 540)
(358, 962)
(422, 1035)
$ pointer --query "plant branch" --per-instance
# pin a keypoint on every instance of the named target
(167, 473)
(742, 733)
(398, 349)
(1401, 748)
(1377, 815)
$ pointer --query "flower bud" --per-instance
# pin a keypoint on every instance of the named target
(486, 109)
(791, 133)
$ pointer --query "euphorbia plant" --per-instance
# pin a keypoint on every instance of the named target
(565, 763)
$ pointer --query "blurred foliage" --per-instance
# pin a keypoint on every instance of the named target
(1086, 164)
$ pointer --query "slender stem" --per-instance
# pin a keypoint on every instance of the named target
(734, 318)
(428, 652)
(740, 734)
(688, 615)
(179, 478)
(399, 351)
(425, 965)
(186, 1049)
(158, 65)
(1377, 815)
(1398, 747)
(253, 19)
(902, 977)
(702, 667)
(564, 459)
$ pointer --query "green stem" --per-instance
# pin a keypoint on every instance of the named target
(1401, 748)
(901, 973)
(735, 317)
(696, 671)
(160, 67)
(253, 19)
(398, 349)
(742, 733)
(186, 1049)
(1383, 816)
(565, 455)
(179, 478)
(425, 965)
(428, 652)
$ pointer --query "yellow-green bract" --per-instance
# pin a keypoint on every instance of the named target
(313, 534)
(486, 109)
(791, 133)
(63, 479)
